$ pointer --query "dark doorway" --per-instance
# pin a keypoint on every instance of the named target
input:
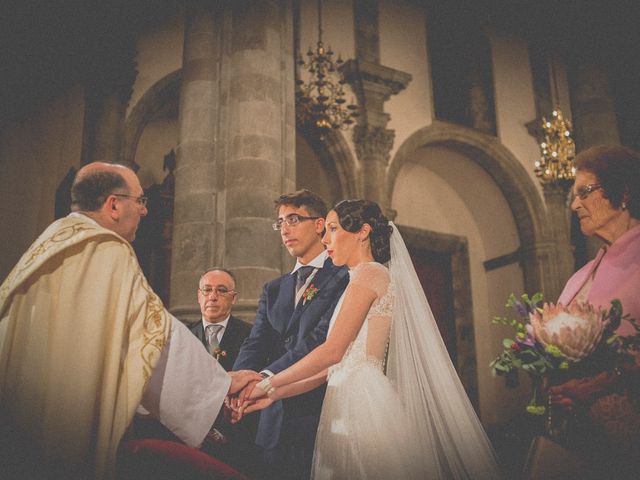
(434, 272)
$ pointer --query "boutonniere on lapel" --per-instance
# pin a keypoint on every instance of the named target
(309, 293)
(218, 352)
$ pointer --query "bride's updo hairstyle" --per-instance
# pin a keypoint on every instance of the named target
(352, 214)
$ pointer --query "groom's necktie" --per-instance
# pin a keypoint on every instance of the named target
(303, 274)
(212, 337)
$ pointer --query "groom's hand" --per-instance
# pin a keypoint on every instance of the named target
(237, 403)
(248, 391)
(241, 379)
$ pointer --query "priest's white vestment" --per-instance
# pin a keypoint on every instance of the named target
(82, 338)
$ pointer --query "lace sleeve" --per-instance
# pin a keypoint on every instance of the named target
(373, 276)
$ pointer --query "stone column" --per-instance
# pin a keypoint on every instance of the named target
(594, 117)
(367, 37)
(259, 132)
(373, 84)
(110, 73)
(558, 215)
(195, 221)
(237, 147)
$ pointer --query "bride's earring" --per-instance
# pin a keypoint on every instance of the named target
(624, 205)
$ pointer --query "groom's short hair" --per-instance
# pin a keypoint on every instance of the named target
(304, 198)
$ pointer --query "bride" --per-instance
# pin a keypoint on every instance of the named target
(394, 406)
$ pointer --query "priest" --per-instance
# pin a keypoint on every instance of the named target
(84, 341)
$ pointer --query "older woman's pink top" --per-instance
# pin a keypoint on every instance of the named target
(617, 275)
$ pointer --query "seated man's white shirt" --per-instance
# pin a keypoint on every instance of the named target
(223, 324)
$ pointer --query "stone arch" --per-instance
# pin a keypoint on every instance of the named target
(336, 159)
(153, 103)
(536, 252)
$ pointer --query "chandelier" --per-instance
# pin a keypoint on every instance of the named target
(557, 149)
(320, 100)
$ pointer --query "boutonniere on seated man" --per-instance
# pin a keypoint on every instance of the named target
(309, 293)
(218, 352)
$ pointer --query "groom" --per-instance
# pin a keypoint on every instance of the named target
(292, 319)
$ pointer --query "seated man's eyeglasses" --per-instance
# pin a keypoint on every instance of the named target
(219, 291)
(584, 192)
(142, 200)
(292, 220)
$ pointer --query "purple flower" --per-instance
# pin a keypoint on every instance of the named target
(521, 308)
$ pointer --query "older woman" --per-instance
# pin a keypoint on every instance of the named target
(607, 202)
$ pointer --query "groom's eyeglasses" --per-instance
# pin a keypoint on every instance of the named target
(292, 220)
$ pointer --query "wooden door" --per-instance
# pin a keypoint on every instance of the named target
(434, 272)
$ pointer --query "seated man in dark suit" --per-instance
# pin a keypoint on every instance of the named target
(222, 335)
(220, 332)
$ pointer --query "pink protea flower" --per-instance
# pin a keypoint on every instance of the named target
(575, 330)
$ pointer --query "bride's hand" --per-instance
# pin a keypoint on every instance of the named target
(249, 406)
(259, 404)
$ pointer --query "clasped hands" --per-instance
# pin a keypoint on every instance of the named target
(580, 390)
(249, 399)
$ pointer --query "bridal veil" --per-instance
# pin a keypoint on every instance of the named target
(418, 364)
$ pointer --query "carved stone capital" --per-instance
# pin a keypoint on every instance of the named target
(373, 144)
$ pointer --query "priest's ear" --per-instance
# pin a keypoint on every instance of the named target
(111, 207)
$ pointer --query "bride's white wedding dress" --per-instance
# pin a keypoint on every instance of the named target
(363, 432)
(415, 423)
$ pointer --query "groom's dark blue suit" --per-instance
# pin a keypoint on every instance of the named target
(282, 334)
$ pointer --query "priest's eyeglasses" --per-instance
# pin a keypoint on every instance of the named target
(141, 200)
(292, 220)
(583, 192)
(219, 291)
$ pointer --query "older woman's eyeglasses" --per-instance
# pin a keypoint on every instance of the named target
(583, 192)
(292, 220)
(142, 200)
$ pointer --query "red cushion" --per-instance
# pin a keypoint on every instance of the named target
(174, 456)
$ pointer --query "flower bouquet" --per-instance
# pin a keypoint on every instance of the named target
(554, 341)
